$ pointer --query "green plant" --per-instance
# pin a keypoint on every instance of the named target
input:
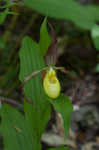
(85, 17)
(24, 132)
(6, 11)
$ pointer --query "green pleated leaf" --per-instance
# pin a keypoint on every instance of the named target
(95, 36)
(17, 134)
(30, 60)
(59, 148)
(83, 16)
(45, 39)
(37, 113)
(64, 106)
(38, 119)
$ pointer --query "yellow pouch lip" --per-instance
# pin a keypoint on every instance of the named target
(51, 84)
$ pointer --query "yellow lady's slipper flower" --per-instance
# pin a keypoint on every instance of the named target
(51, 84)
